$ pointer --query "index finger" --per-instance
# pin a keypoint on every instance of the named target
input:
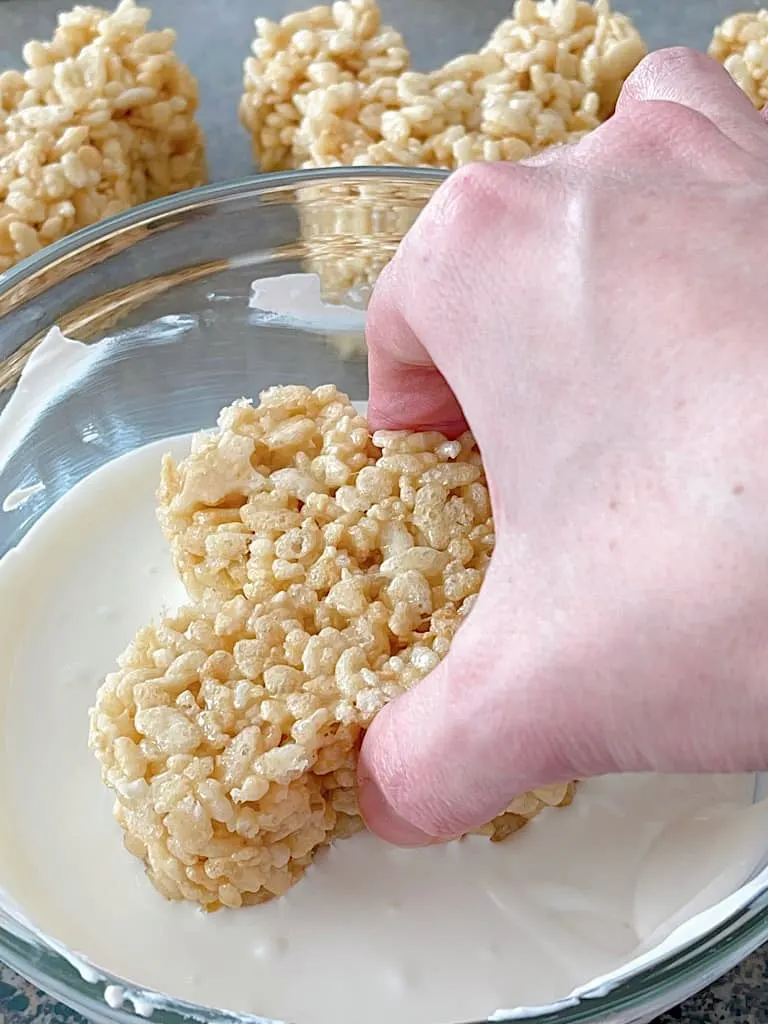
(422, 329)
(407, 391)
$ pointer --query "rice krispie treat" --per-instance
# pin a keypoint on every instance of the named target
(340, 47)
(328, 571)
(332, 86)
(741, 44)
(102, 119)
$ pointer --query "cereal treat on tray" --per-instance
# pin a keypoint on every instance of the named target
(299, 59)
(741, 44)
(102, 119)
(331, 85)
(328, 571)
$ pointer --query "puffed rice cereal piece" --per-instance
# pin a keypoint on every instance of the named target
(328, 571)
(331, 86)
(102, 119)
(741, 45)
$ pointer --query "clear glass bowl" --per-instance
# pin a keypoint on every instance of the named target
(168, 283)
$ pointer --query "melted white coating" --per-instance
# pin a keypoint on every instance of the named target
(446, 933)
(295, 300)
(56, 363)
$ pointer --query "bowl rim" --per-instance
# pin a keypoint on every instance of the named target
(655, 987)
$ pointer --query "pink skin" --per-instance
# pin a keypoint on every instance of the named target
(598, 316)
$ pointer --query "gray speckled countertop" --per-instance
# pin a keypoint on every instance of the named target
(213, 37)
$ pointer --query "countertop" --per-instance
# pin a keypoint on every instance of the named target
(214, 45)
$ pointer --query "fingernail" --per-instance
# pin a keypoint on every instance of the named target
(382, 819)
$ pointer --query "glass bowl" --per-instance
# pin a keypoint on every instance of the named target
(166, 287)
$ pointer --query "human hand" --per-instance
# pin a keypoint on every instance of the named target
(598, 315)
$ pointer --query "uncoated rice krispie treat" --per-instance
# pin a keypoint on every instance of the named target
(332, 86)
(328, 572)
(228, 776)
(102, 119)
(741, 44)
(339, 46)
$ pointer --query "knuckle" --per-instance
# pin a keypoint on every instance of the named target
(476, 196)
(653, 130)
(662, 74)
(668, 123)
(677, 60)
(481, 203)
(472, 187)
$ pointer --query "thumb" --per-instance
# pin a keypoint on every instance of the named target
(453, 752)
